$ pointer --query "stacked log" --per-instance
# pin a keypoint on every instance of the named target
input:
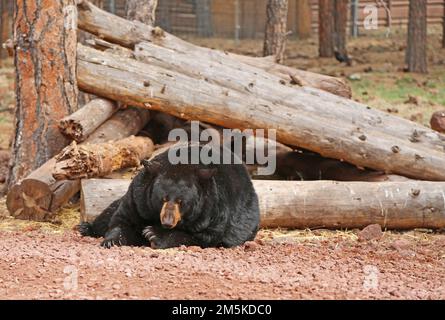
(39, 195)
(321, 122)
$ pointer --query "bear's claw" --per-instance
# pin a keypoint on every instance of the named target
(113, 238)
(150, 234)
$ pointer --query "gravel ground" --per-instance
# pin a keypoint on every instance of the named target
(36, 264)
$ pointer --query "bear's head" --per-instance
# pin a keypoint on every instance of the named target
(177, 192)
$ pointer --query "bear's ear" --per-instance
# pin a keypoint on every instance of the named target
(206, 174)
(151, 166)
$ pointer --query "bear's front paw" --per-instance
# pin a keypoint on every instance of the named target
(155, 237)
(113, 238)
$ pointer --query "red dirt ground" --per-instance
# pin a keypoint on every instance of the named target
(39, 265)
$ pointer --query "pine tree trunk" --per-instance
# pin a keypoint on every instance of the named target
(275, 37)
(142, 10)
(416, 57)
(304, 19)
(204, 17)
(6, 12)
(443, 26)
(46, 86)
(326, 28)
(340, 23)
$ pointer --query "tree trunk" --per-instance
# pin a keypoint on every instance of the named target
(79, 125)
(340, 20)
(100, 159)
(126, 33)
(276, 32)
(142, 10)
(326, 28)
(164, 18)
(316, 204)
(204, 18)
(39, 195)
(239, 96)
(354, 18)
(443, 26)
(416, 51)
(6, 16)
(46, 86)
(304, 19)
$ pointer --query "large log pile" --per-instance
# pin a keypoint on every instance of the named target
(321, 133)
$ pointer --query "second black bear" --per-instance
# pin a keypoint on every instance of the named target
(184, 204)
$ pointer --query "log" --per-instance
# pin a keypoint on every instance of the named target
(98, 160)
(129, 33)
(317, 204)
(329, 125)
(123, 124)
(38, 196)
(79, 125)
(214, 70)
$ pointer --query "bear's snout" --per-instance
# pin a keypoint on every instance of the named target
(170, 215)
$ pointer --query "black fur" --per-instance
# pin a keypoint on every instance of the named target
(218, 205)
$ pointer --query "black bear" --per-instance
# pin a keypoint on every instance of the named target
(168, 205)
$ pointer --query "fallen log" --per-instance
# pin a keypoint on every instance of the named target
(217, 69)
(320, 122)
(39, 195)
(79, 125)
(98, 160)
(129, 33)
(317, 204)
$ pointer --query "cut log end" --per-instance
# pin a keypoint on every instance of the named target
(71, 128)
(30, 200)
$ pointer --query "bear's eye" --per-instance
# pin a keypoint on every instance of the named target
(179, 201)
(165, 199)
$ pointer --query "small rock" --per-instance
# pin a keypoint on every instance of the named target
(116, 286)
(194, 249)
(413, 100)
(355, 77)
(250, 246)
(400, 244)
(438, 121)
(371, 232)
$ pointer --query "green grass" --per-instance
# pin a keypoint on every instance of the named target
(429, 90)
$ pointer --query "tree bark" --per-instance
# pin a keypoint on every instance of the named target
(100, 159)
(239, 96)
(304, 19)
(317, 204)
(416, 51)
(79, 125)
(340, 24)
(128, 34)
(39, 195)
(6, 14)
(142, 10)
(46, 86)
(276, 29)
(326, 28)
